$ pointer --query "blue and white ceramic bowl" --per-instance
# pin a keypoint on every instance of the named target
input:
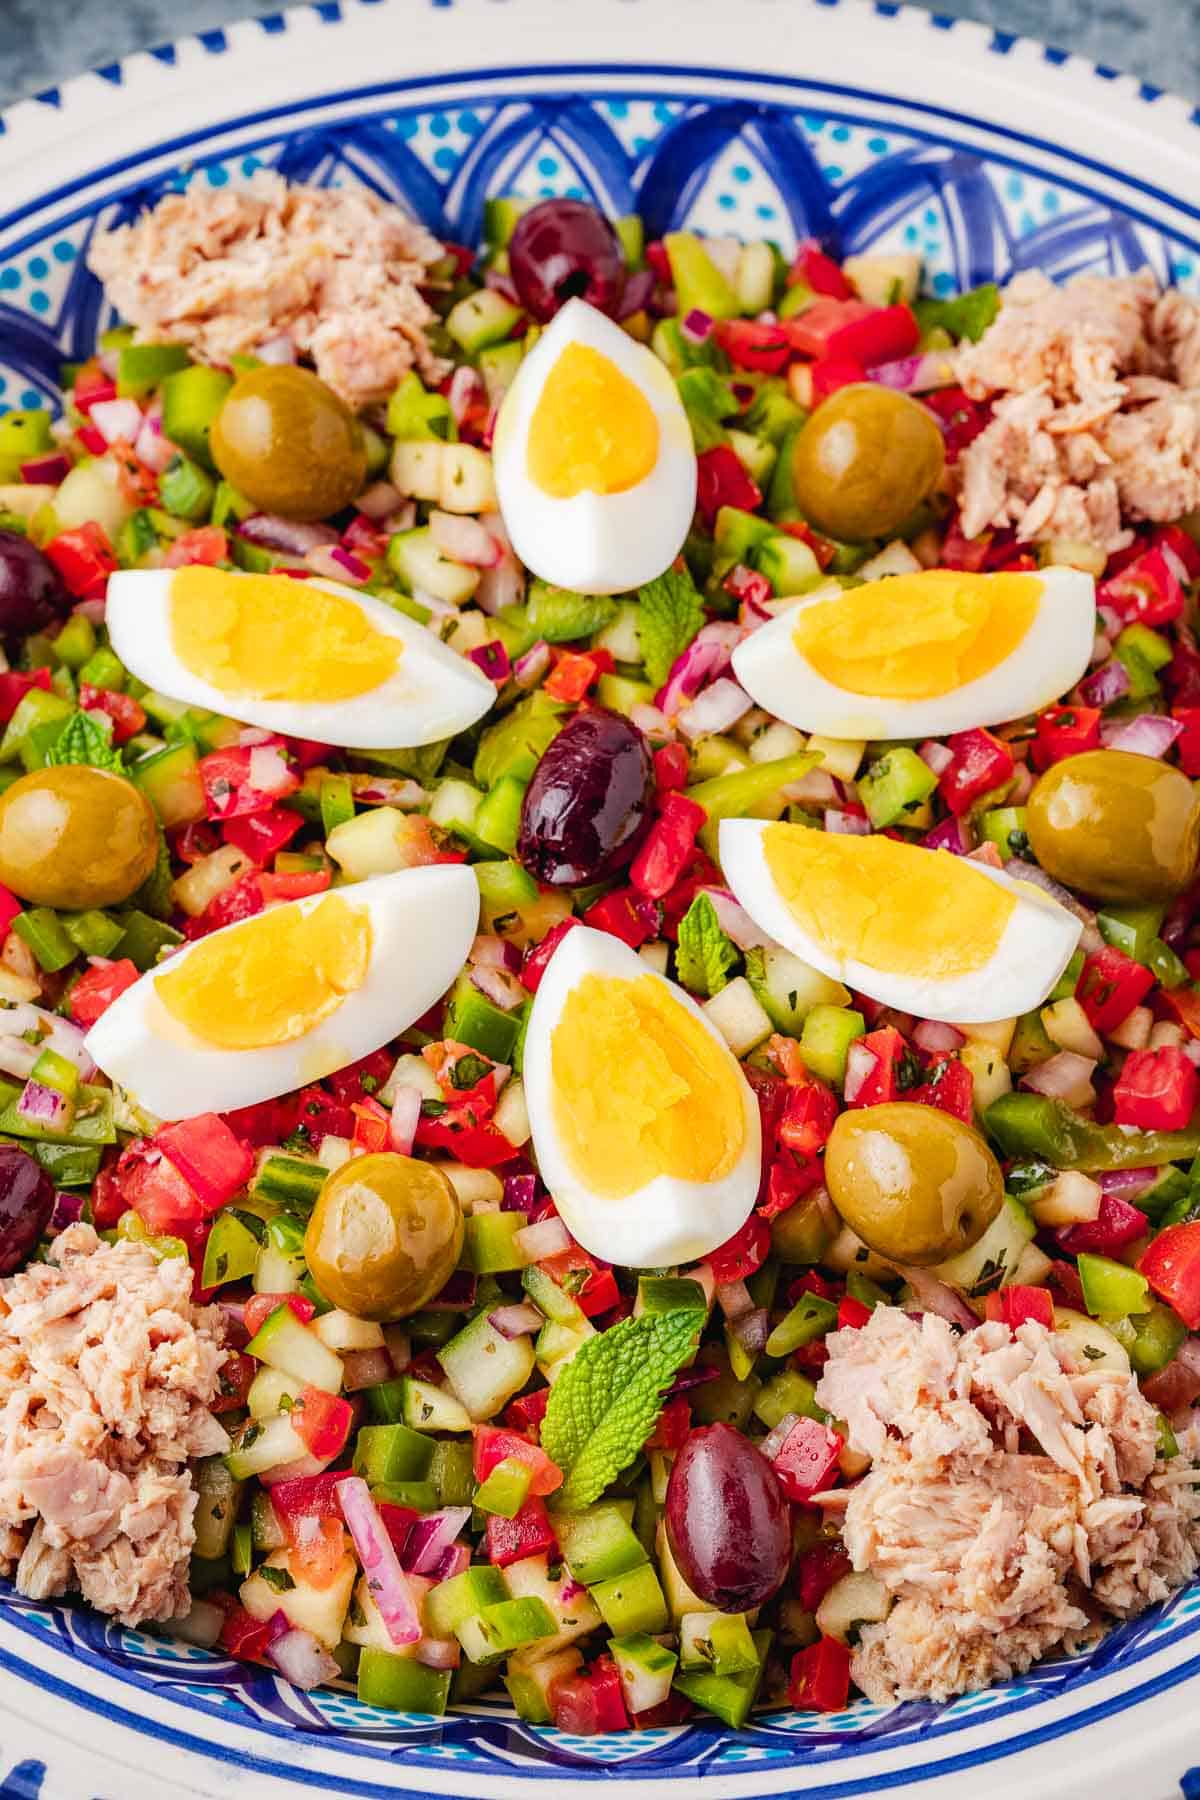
(872, 126)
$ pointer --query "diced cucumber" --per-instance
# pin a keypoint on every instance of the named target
(283, 1343)
(515, 743)
(488, 1246)
(826, 1037)
(786, 1392)
(633, 1601)
(292, 1181)
(499, 364)
(716, 1640)
(271, 1392)
(505, 1488)
(728, 1697)
(414, 412)
(475, 1020)
(430, 1408)
(231, 1253)
(699, 284)
(894, 786)
(266, 1533)
(376, 842)
(480, 319)
(992, 1262)
(646, 1668)
(788, 988)
(170, 780)
(854, 1601)
(571, 1606)
(788, 564)
(489, 1635)
(680, 1598)
(738, 1016)
(342, 1331)
(417, 560)
(551, 1300)
(319, 1610)
(484, 1368)
(668, 1293)
(498, 820)
(217, 1495)
(455, 805)
(598, 1544)
(560, 616)
(143, 367)
(266, 1445)
(529, 1683)
(463, 1597)
(186, 490)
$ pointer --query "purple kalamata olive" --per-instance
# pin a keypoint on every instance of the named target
(587, 807)
(32, 594)
(728, 1523)
(565, 250)
(26, 1203)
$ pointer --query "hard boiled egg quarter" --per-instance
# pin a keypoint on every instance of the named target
(280, 999)
(920, 655)
(921, 930)
(594, 460)
(646, 1131)
(309, 659)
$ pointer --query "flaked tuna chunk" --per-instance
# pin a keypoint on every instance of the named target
(1015, 1504)
(107, 1374)
(1095, 392)
(335, 271)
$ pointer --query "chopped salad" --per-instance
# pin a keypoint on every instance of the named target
(624, 993)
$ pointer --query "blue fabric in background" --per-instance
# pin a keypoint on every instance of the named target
(43, 42)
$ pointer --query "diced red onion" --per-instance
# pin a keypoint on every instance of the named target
(516, 1321)
(278, 1625)
(706, 658)
(693, 1377)
(380, 499)
(1107, 683)
(735, 921)
(458, 1293)
(233, 1317)
(455, 1559)
(951, 835)
(352, 567)
(18, 1057)
(637, 292)
(775, 1439)
(405, 1115)
(492, 952)
(549, 1237)
(1149, 734)
(117, 421)
(817, 788)
(696, 326)
(501, 283)
(650, 721)
(465, 540)
(269, 772)
(1065, 1076)
(389, 1588)
(1110, 619)
(1192, 1051)
(733, 1298)
(752, 1329)
(933, 1036)
(277, 350)
(500, 586)
(492, 658)
(915, 374)
(502, 989)
(365, 1368)
(293, 537)
(325, 562)
(301, 1660)
(46, 471)
(935, 756)
(466, 391)
(719, 706)
(429, 1538)
(934, 1296)
(1020, 785)
(151, 448)
(1101, 650)
(201, 1625)
(438, 1653)
(1127, 1184)
(847, 824)
(520, 1194)
(68, 1209)
(43, 1105)
(531, 668)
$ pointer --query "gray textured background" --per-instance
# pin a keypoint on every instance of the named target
(44, 41)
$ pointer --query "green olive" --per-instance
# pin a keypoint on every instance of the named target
(865, 461)
(1116, 826)
(385, 1235)
(915, 1183)
(286, 441)
(75, 837)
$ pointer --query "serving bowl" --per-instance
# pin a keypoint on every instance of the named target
(877, 128)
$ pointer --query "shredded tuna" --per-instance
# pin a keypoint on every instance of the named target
(107, 1373)
(336, 271)
(1015, 1505)
(1096, 410)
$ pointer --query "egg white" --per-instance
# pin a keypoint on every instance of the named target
(434, 693)
(596, 543)
(1049, 660)
(422, 924)
(667, 1221)
(1036, 946)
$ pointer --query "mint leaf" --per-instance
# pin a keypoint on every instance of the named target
(704, 955)
(670, 615)
(966, 316)
(83, 740)
(605, 1403)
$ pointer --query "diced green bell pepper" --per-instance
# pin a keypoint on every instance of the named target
(142, 367)
(1156, 1337)
(895, 785)
(728, 1697)
(504, 1490)
(387, 1454)
(42, 930)
(144, 939)
(1111, 1289)
(1031, 1125)
(401, 1684)
(186, 490)
(498, 819)
(192, 398)
(734, 795)
(514, 744)
(699, 284)
(76, 641)
(413, 412)
(810, 1318)
(1132, 929)
(475, 1020)
(231, 1252)
(561, 616)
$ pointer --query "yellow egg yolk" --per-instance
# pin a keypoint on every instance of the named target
(271, 638)
(640, 1089)
(592, 431)
(911, 637)
(270, 980)
(891, 906)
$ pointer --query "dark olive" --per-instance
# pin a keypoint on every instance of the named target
(1117, 826)
(286, 441)
(865, 461)
(587, 806)
(727, 1521)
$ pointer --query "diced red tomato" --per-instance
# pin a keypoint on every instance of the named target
(237, 1372)
(812, 268)
(609, 1699)
(260, 835)
(91, 387)
(95, 990)
(163, 1199)
(1110, 986)
(526, 1413)
(469, 1138)
(743, 1253)
(529, 1533)
(372, 1124)
(961, 420)
(205, 544)
(15, 684)
(84, 558)
(787, 1179)
(820, 1677)
(950, 1087)
(1157, 1090)
(1187, 744)
(676, 1709)
(1012, 1306)
(1147, 591)
(673, 1426)
(816, 1572)
(722, 481)
(1181, 544)
(982, 763)
(240, 900)
(874, 1066)
(573, 674)
(1116, 1224)
(670, 768)
(244, 1637)
(806, 1461)
(297, 885)
(625, 914)
(591, 1284)
(538, 955)
(863, 334)
(751, 345)
(812, 332)
(1171, 1264)
(809, 1112)
(360, 1080)
(493, 1446)
(306, 1497)
(700, 872)
(668, 848)
(231, 779)
(322, 1421)
(1184, 1002)
(852, 1314)
(259, 1308)
(832, 373)
(1182, 674)
(319, 1555)
(127, 715)
(215, 1163)
(267, 1123)
(321, 1116)
(586, 1704)
(959, 552)
(1064, 731)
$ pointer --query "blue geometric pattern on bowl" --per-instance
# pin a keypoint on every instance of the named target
(795, 166)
